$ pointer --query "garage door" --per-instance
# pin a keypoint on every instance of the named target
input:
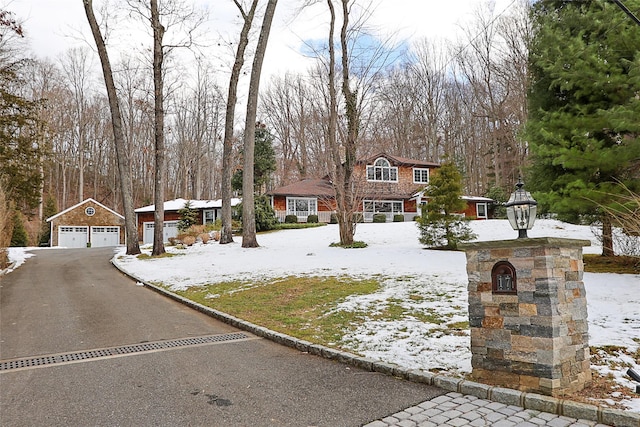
(105, 236)
(72, 236)
(170, 230)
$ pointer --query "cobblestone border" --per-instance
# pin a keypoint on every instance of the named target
(537, 402)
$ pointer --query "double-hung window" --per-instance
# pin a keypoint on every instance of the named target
(481, 210)
(420, 175)
(209, 216)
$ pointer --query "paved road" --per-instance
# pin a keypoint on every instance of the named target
(71, 302)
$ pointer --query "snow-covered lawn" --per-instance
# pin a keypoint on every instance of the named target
(424, 282)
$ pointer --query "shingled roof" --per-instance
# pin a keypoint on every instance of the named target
(397, 161)
(305, 188)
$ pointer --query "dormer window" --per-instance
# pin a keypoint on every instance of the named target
(382, 171)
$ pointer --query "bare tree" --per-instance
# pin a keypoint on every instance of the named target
(226, 234)
(492, 65)
(124, 169)
(249, 239)
(356, 93)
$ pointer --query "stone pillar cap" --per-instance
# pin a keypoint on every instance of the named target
(526, 243)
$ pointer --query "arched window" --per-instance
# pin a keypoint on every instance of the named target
(381, 170)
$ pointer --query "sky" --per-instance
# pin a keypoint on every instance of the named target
(53, 26)
(406, 270)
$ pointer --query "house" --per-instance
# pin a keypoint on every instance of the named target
(385, 184)
(87, 224)
(208, 212)
(477, 207)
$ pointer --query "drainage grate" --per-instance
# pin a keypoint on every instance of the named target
(31, 362)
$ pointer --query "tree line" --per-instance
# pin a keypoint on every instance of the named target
(466, 100)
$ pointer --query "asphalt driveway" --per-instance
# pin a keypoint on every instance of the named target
(81, 344)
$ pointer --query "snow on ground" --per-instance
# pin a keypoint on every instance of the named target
(424, 282)
(17, 257)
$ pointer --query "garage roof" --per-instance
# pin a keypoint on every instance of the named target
(80, 204)
(177, 204)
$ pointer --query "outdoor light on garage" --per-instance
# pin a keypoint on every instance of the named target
(521, 210)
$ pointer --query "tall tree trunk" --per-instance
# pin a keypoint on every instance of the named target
(158, 191)
(249, 239)
(226, 234)
(332, 139)
(343, 180)
(607, 235)
(124, 169)
(347, 230)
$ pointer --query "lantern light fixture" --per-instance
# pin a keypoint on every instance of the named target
(521, 210)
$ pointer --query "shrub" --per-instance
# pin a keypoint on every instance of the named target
(188, 240)
(333, 219)
(379, 218)
(398, 218)
(204, 237)
(265, 215)
(197, 229)
(357, 244)
(290, 219)
(312, 218)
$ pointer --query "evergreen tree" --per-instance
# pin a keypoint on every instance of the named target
(583, 123)
(188, 217)
(265, 215)
(48, 211)
(440, 226)
(264, 161)
(19, 236)
(21, 153)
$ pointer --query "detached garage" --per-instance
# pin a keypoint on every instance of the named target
(87, 224)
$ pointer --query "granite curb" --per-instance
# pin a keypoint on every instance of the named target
(533, 401)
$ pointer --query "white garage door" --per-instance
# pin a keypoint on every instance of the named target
(105, 236)
(170, 230)
(72, 236)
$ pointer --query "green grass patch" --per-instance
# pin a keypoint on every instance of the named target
(613, 264)
(458, 325)
(148, 256)
(302, 307)
(355, 245)
(298, 225)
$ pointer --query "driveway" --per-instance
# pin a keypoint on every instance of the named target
(81, 344)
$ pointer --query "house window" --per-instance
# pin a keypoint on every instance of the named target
(420, 176)
(90, 211)
(382, 170)
(302, 207)
(208, 217)
(383, 206)
(481, 210)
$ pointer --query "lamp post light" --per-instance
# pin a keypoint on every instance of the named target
(521, 210)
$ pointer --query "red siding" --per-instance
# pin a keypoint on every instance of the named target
(168, 216)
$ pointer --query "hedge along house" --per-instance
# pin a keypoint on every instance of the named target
(87, 224)
(208, 212)
(386, 184)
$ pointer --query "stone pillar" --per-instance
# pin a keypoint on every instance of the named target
(528, 314)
